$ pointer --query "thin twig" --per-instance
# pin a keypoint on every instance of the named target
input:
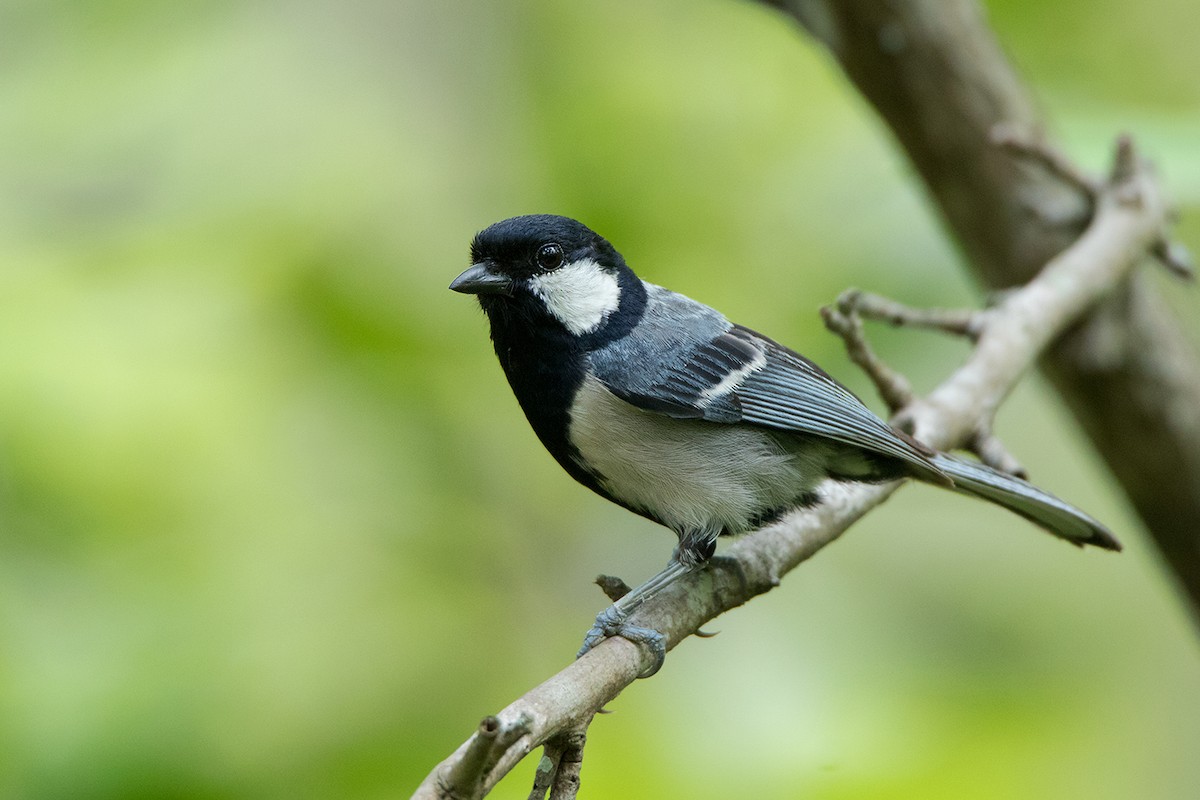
(893, 387)
(547, 768)
(844, 320)
(466, 777)
(565, 785)
(991, 451)
(1168, 252)
(462, 778)
(965, 322)
(557, 776)
(1040, 151)
(1175, 257)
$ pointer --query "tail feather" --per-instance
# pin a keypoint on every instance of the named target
(1020, 497)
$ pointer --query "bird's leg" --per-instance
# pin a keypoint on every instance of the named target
(611, 621)
(693, 552)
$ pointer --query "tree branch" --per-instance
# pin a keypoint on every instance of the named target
(1128, 219)
(936, 75)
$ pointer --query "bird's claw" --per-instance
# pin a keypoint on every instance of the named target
(611, 622)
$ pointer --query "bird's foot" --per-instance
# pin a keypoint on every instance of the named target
(611, 622)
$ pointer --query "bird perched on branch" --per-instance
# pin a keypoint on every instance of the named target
(663, 406)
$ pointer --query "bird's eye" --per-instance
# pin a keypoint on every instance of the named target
(550, 256)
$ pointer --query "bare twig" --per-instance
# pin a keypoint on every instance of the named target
(965, 322)
(1128, 219)
(843, 320)
(1171, 254)
(1126, 369)
(991, 451)
(557, 776)
(465, 777)
(1175, 257)
(547, 769)
(1040, 151)
(1070, 283)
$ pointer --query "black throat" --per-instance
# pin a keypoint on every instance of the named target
(546, 364)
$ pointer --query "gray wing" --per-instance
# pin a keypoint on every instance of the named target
(689, 362)
(679, 352)
(792, 393)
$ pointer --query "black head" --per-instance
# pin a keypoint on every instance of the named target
(546, 268)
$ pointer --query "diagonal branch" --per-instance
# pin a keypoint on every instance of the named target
(1129, 217)
(938, 78)
(844, 319)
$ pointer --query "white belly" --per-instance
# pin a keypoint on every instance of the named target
(690, 474)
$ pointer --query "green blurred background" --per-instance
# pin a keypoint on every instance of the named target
(272, 525)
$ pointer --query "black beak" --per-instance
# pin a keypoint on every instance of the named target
(479, 279)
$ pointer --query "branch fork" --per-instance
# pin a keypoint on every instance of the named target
(844, 318)
(1171, 254)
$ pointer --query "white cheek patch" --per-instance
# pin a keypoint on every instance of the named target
(580, 295)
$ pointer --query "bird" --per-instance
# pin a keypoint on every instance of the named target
(660, 404)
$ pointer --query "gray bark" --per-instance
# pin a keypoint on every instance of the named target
(936, 75)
